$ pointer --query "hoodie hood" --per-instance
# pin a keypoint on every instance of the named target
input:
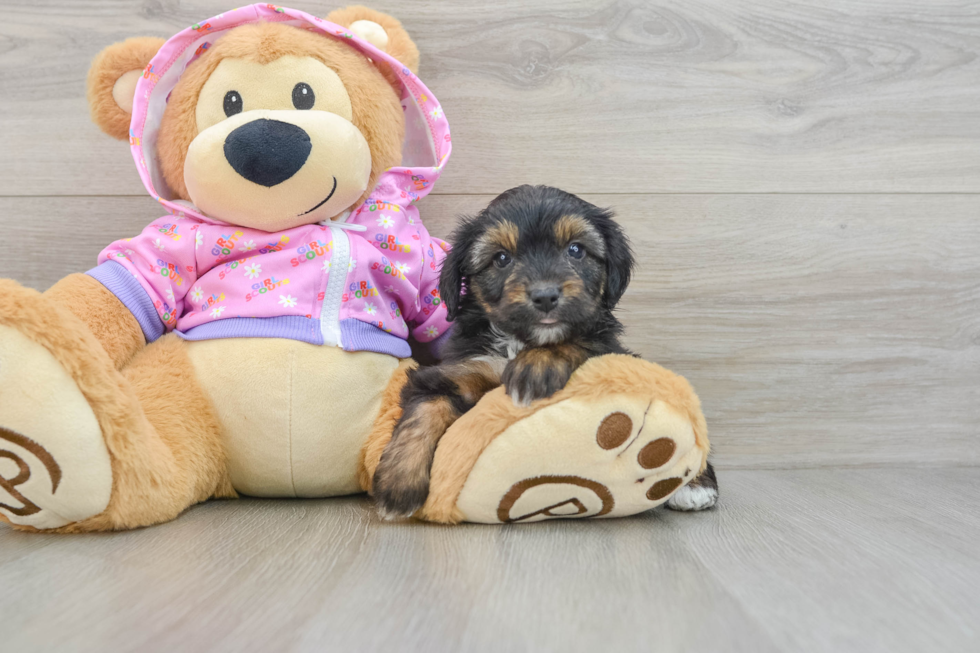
(427, 142)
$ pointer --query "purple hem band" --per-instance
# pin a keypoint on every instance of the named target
(355, 335)
(293, 327)
(117, 279)
(361, 336)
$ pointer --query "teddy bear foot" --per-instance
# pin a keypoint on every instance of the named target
(619, 458)
(54, 464)
(621, 438)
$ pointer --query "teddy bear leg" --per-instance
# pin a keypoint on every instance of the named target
(84, 447)
(171, 456)
(178, 459)
(54, 465)
(622, 437)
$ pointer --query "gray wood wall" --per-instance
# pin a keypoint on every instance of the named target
(801, 181)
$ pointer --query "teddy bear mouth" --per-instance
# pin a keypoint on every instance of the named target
(332, 191)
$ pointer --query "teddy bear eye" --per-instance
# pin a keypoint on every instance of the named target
(303, 97)
(233, 103)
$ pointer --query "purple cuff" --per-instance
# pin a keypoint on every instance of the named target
(361, 336)
(124, 285)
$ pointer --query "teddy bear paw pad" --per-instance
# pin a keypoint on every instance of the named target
(54, 465)
(617, 456)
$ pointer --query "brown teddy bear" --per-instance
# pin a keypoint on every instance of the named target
(254, 340)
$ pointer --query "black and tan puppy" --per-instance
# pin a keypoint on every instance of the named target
(531, 284)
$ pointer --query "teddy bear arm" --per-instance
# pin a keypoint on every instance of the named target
(112, 324)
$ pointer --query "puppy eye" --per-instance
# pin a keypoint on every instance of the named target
(501, 259)
(303, 97)
(233, 103)
(576, 250)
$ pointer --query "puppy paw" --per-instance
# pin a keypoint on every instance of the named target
(535, 376)
(692, 498)
(400, 489)
(699, 494)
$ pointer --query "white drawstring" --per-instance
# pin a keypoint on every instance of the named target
(344, 225)
(340, 224)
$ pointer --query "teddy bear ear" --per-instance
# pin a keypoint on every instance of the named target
(380, 30)
(112, 82)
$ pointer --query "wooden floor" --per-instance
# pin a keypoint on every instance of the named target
(801, 181)
(802, 560)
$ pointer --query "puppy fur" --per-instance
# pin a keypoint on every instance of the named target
(531, 284)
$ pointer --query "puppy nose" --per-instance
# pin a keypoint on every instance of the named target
(545, 299)
(267, 152)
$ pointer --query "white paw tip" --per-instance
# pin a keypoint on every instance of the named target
(387, 516)
(393, 515)
(520, 401)
(693, 497)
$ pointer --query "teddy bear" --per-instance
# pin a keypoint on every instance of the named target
(254, 340)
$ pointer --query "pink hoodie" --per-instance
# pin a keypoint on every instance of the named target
(364, 283)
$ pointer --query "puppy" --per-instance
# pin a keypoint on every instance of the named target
(531, 284)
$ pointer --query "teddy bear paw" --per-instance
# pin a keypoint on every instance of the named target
(617, 456)
(54, 465)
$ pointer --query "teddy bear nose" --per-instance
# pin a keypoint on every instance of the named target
(267, 152)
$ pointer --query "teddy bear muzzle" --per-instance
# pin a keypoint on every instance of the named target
(277, 169)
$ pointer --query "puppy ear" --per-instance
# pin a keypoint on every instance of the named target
(380, 30)
(619, 261)
(454, 266)
(112, 82)
(451, 278)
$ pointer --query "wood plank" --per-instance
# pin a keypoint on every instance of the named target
(806, 560)
(664, 96)
(818, 329)
(850, 560)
